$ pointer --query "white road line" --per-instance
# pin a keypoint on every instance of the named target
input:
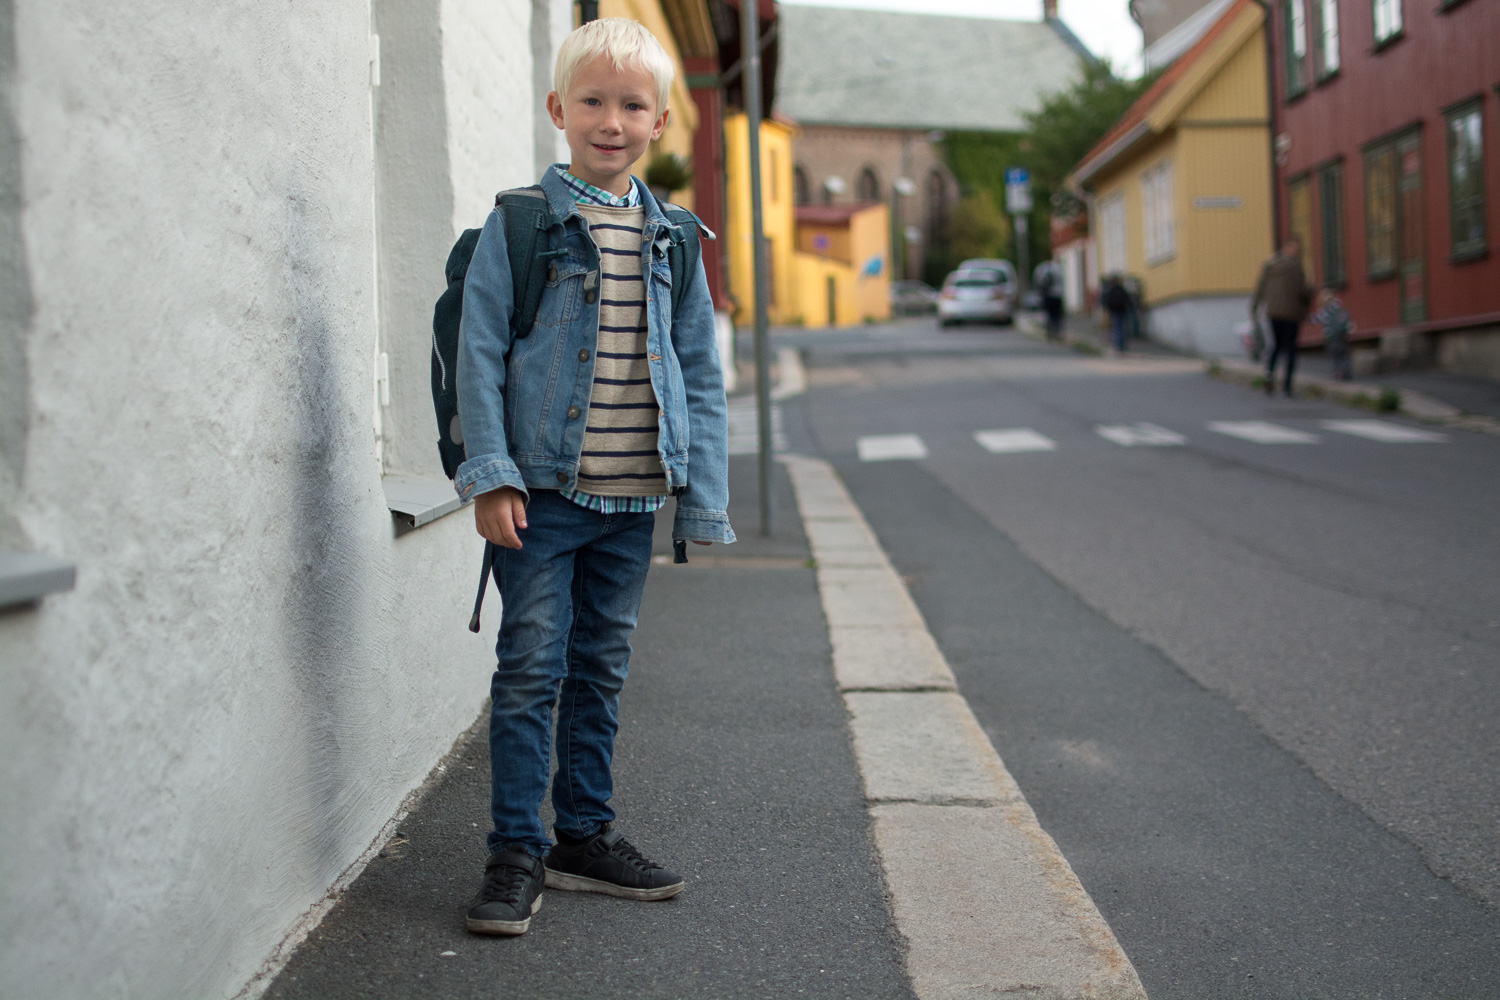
(884, 448)
(988, 905)
(1262, 432)
(1149, 435)
(1009, 441)
(1384, 431)
(744, 431)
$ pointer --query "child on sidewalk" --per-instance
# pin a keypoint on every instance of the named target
(576, 435)
(1337, 326)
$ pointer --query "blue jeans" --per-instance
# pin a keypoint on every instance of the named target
(572, 596)
(1117, 327)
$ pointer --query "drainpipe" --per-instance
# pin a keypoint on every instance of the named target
(1265, 6)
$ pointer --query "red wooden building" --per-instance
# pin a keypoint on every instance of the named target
(1387, 126)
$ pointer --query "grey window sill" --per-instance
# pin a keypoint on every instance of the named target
(27, 577)
(417, 500)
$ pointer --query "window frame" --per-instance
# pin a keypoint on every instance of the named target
(1334, 252)
(1305, 233)
(1477, 247)
(1294, 65)
(1398, 27)
(1111, 209)
(1159, 213)
(1377, 269)
(1322, 71)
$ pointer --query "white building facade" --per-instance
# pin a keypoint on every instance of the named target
(222, 232)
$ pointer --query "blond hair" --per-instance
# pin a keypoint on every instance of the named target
(625, 43)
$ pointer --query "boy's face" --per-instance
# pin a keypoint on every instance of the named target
(609, 117)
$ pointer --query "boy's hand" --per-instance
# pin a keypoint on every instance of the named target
(695, 542)
(499, 515)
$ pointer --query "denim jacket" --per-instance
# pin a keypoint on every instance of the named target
(523, 403)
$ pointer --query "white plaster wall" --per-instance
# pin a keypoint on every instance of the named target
(252, 671)
(490, 102)
(1202, 326)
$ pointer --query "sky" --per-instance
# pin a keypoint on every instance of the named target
(1103, 25)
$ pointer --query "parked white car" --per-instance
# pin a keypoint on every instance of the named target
(979, 291)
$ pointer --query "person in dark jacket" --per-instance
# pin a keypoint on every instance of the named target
(1116, 301)
(1284, 290)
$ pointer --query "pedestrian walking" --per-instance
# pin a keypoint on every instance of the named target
(574, 437)
(1116, 300)
(1285, 292)
(1337, 326)
(1048, 284)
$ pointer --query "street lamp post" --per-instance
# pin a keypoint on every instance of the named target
(750, 81)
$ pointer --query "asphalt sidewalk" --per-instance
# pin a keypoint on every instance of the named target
(733, 766)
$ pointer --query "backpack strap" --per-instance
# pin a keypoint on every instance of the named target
(685, 250)
(528, 219)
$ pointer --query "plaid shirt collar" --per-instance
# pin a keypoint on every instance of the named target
(583, 191)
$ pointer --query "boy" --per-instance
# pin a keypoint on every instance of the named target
(576, 435)
(1337, 326)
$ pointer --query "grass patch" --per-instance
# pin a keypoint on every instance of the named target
(1389, 400)
(1085, 347)
(1215, 369)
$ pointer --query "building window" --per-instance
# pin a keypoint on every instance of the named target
(1380, 211)
(1112, 234)
(1466, 180)
(1160, 217)
(800, 189)
(937, 206)
(1325, 38)
(1331, 215)
(1387, 20)
(1294, 19)
(1300, 217)
(868, 188)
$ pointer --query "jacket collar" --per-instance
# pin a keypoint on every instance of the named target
(560, 200)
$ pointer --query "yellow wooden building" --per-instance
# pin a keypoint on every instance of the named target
(828, 269)
(1179, 190)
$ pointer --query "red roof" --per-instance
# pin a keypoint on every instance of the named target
(1176, 71)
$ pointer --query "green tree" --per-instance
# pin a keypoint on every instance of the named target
(1058, 135)
(975, 228)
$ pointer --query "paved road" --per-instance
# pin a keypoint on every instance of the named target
(1240, 654)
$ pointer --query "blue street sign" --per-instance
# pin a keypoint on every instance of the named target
(1017, 176)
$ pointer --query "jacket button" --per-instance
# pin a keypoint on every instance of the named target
(589, 296)
(552, 273)
(583, 354)
(573, 412)
(562, 477)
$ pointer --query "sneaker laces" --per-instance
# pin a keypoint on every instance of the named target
(626, 852)
(505, 883)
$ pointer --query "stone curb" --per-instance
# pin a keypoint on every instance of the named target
(985, 900)
(1361, 394)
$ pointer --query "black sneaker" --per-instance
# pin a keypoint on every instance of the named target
(511, 893)
(608, 863)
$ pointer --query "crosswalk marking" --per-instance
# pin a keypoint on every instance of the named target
(1150, 435)
(885, 447)
(1007, 442)
(1384, 431)
(744, 428)
(1262, 432)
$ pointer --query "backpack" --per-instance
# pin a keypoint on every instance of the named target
(530, 225)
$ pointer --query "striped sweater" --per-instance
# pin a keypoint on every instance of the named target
(620, 457)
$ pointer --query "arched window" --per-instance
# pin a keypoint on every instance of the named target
(800, 189)
(868, 188)
(937, 204)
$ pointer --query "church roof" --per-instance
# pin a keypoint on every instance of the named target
(896, 70)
